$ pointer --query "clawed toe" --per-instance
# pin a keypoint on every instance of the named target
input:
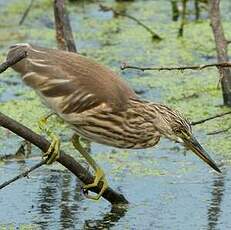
(99, 177)
(53, 152)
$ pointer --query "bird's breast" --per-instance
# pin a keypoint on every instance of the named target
(116, 130)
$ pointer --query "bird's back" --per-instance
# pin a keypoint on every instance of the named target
(75, 82)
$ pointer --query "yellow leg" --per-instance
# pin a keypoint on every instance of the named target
(99, 174)
(53, 152)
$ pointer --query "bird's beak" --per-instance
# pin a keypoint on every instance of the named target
(195, 146)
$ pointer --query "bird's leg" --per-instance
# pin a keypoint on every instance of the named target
(53, 152)
(99, 173)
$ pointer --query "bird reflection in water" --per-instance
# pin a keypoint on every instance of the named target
(109, 219)
(214, 209)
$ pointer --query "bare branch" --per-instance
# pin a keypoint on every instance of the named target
(5, 65)
(26, 12)
(24, 174)
(67, 161)
(210, 118)
(64, 34)
(175, 10)
(183, 18)
(219, 131)
(155, 36)
(221, 48)
(193, 67)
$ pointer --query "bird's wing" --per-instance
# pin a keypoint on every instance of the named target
(79, 82)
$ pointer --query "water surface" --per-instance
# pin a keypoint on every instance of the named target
(166, 189)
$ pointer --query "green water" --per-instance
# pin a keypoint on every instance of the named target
(166, 189)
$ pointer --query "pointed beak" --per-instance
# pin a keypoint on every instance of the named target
(195, 146)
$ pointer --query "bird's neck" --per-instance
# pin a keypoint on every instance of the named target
(144, 109)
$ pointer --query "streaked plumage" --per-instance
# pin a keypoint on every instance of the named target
(97, 103)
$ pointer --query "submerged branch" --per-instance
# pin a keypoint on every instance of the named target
(219, 131)
(183, 18)
(155, 36)
(210, 118)
(23, 174)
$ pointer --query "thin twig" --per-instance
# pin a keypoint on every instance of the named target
(23, 174)
(193, 67)
(155, 36)
(219, 131)
(210, 118)
(26, 12)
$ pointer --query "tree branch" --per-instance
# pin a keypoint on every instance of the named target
(26, 12)
(155, 36)
(219, 131)
(64, 159)
(193, 67)
(183, 18)
(24, 174)
(210, 118)
(221, 48)
(64, 34)
(5, 65)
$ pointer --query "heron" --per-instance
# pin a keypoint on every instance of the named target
(99, 106)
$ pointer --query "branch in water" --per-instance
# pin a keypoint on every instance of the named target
(67, 161)
(210, 118)
(24, 174)
(155, 36)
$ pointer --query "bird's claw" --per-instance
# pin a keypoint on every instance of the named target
(99, 177)
(53, 152)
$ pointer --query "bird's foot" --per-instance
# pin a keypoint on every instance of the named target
(43, 122)
(53, 152)
(99, 177)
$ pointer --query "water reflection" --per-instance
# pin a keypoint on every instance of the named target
(47, 199)
(108, 220)
(69, 201)
(214, 210)
(59, 204)
(66, 211)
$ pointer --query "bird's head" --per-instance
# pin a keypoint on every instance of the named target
(175, 127)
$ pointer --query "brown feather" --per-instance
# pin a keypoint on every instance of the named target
(81, 82)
